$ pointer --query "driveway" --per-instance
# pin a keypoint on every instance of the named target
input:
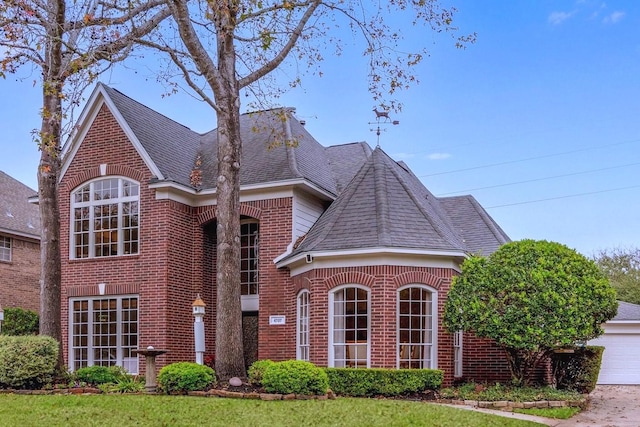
(611, 406)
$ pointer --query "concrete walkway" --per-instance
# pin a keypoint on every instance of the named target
(611, 406)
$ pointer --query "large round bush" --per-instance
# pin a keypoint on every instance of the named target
(186, 376)
(295, 376)
(257, 370)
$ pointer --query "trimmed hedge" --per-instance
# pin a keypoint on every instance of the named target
(20, 322)
(182, 377)
(96, 375)
(382, 382)
(257, 370)
(295, 376)
(27, 362)
(578, 370)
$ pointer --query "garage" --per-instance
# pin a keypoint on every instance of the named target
(621, 340)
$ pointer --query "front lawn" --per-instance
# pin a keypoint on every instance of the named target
(144, 410)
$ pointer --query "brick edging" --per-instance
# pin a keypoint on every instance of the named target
(506, 405)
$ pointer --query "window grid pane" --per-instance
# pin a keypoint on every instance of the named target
(351, 327)
(303, 326)
(106, 219)
(5, 248)
(415, 330)
(249, 258)
(104, 332)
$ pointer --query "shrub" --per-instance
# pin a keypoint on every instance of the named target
(27, 362)
(578, 370)
(96, 375)
(295, 376)
(257, 370)
(20, 322)
(126, 384)
(185, 376)
(385, 382)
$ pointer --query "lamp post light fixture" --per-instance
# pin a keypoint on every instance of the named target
(198, 328)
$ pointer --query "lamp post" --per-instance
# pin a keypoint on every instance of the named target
(198, 329)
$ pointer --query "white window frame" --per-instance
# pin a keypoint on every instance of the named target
(358, 348)
(430, 349)
(91, 205)
(5, 248)
(250, 301)
(302, 325)
(457, 353)
(130, 363)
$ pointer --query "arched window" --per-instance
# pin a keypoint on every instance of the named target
(349, 324)
(416, 327)
(302, 326)
(105, 216)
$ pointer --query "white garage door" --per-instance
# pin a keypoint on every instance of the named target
(621, 358)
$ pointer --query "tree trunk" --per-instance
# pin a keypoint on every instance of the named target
(48, 173)
(229, 345)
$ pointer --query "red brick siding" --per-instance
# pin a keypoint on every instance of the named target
(20, 277)
(383, 283)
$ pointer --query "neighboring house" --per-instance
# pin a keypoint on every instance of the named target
(346, 258)
(621, 340)
(19, 246)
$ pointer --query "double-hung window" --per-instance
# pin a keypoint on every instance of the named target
(5, 248)
(302, 326)
(349, 324)
(105, 216)
(249, 244)
(416, 320)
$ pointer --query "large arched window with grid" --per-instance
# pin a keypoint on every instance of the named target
(105, 218)
(417, 308)
(349, 327)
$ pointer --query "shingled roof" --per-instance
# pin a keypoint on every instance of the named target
(17, 215)
(386, 206)
(627, 312)
(276, 147)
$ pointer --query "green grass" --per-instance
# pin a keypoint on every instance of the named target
(558, 413)
(498, 392)
(143, 410)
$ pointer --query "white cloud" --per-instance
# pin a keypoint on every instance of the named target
(438, 156)
(614, 17)
(557, 18)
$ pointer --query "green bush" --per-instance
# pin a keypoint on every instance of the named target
(186, 376)
(578, 370)
(385, 382)
(20, 322)
(126, 384)
(257, 370)
(27, 362)
(295, 376)
(96, 375)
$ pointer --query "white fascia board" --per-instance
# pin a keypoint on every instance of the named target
(373, 256)
(622, 327)
(169, 190)
(88, 115)
(20, 234)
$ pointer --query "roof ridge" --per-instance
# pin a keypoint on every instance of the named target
(409, 191)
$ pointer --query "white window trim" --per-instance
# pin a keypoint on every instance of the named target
(73, 205)
(307, 323)
(331, 361)
(8, 249)
(458, 347)
(434, 326)
(90, 299)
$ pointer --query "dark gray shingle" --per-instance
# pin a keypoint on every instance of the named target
(17, 215)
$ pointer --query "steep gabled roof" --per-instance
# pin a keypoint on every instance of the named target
(480, 233)
(275, 147)
(171, 145)
(384, 206)
(346, 160)
(17, 215)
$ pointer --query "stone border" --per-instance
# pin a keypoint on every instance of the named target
(509, 406)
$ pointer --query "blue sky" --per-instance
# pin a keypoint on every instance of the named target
(538, 120)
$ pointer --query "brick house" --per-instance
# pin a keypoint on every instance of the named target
(19, 246)
(346, 257)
